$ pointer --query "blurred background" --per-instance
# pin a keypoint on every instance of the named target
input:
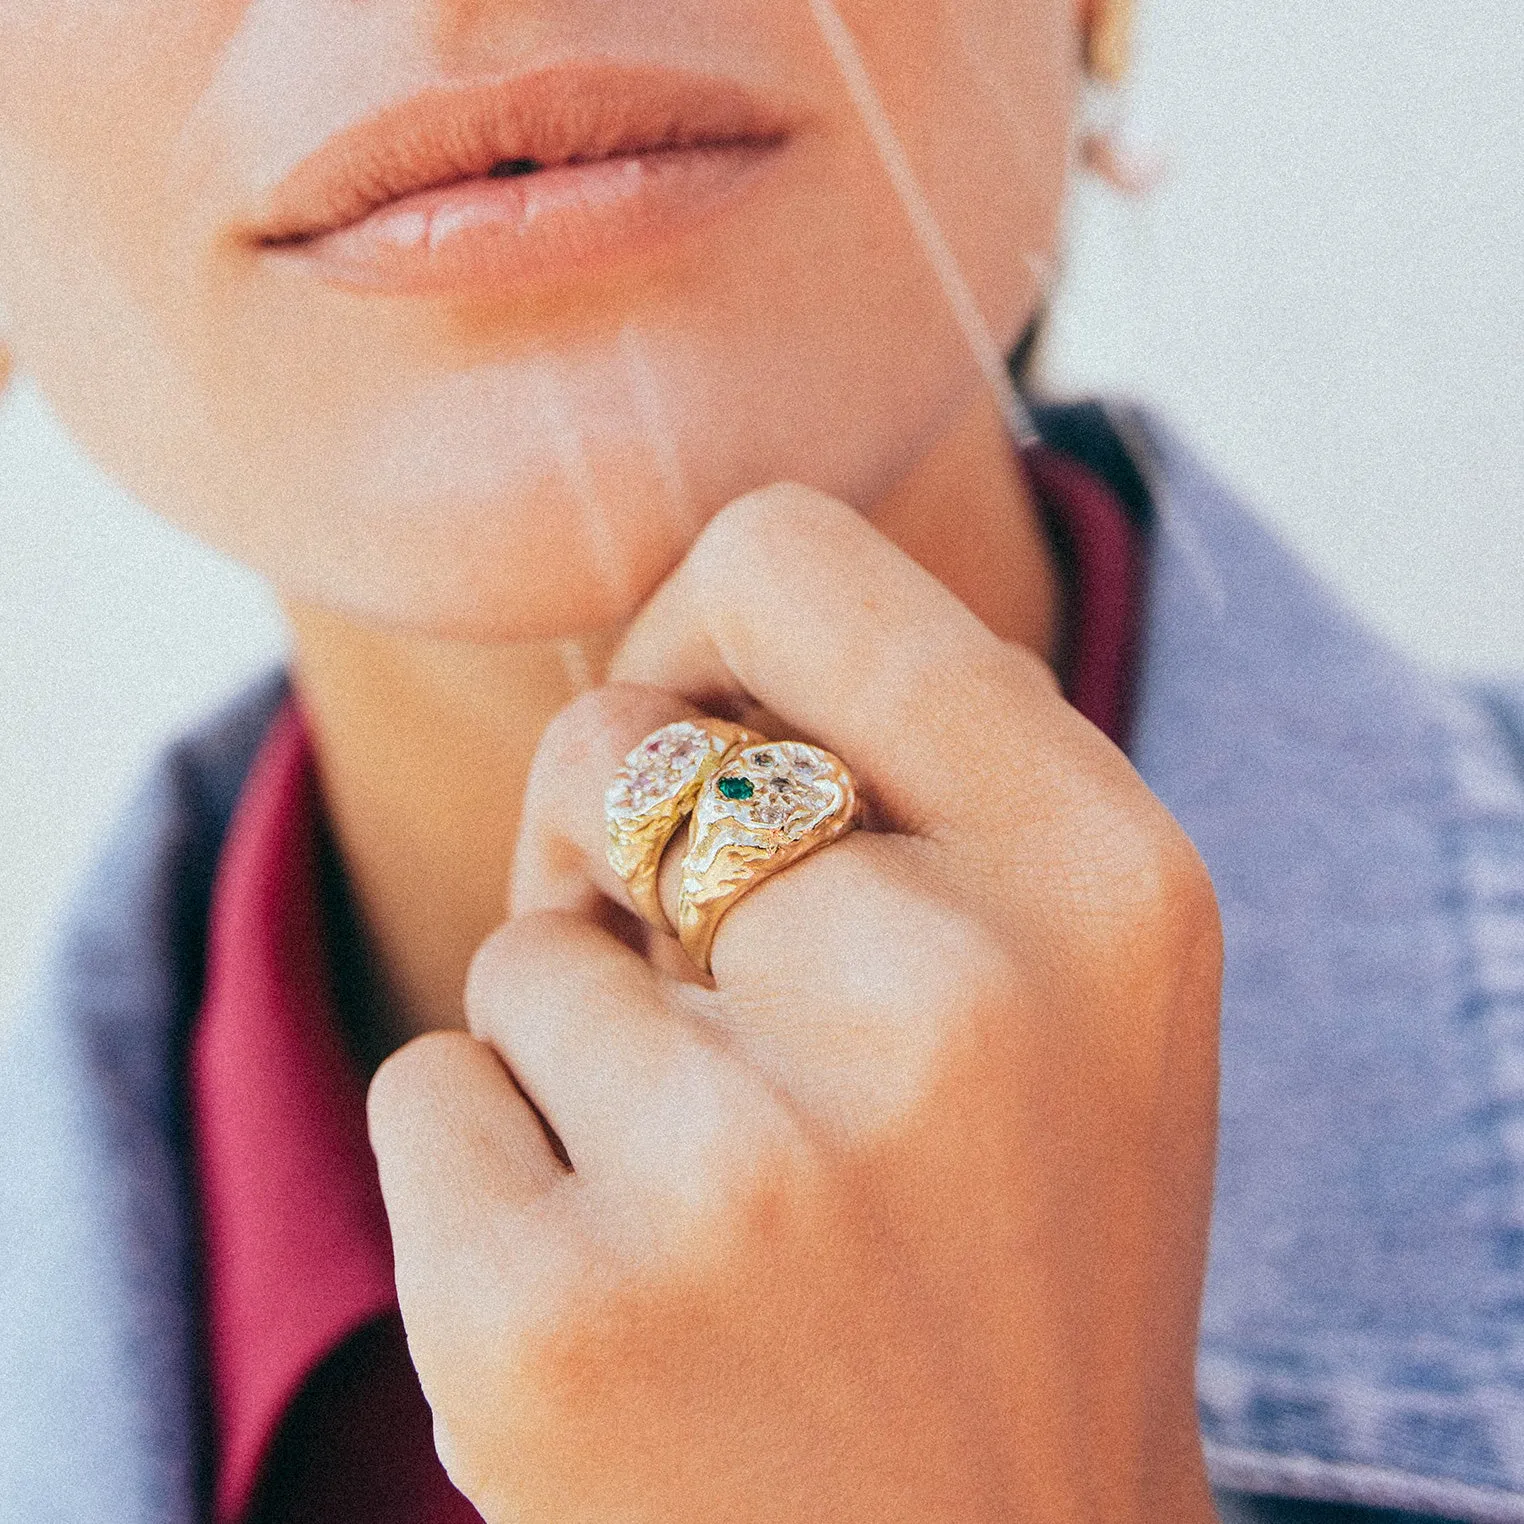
(1323, 294)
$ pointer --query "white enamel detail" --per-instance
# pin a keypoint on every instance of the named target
(660, 768)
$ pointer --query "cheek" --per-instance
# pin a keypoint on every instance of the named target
(979, 94)
(93, 97)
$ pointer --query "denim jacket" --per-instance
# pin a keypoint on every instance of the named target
(1363, 1332)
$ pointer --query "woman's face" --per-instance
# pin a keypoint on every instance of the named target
(321, 281)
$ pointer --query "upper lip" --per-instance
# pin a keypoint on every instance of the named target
(555, 116)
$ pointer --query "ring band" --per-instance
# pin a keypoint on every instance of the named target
(654, 792)
(765, 807)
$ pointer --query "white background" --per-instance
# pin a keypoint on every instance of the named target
(1324, 294)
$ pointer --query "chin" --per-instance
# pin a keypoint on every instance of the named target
(492, 505)
(542, 564)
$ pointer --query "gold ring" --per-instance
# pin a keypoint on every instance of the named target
(654, 792)
(765, 807)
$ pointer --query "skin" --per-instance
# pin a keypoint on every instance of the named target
(967, 1175)
(914, 1235)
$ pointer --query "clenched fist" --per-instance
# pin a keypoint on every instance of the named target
(904, 1218)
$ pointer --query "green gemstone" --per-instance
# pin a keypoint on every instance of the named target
(736, 788)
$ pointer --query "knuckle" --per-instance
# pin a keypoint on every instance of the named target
(492, 971)
(601, 722)
(956, 667)
(762, 1203)
(764, 1152)
(920, 979)
(1144, 883)
(510, 966)
(715, 1120)
(938, 965)
(984, 971)
(1169, 867)
(1192, 898)
(516, 963)
(546, 974)
(767, 528)
(960, 991)
(419, 1074)
(777, 515)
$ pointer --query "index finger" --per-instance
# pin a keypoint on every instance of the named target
(796, 601)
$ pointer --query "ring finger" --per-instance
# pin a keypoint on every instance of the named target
(561, 864)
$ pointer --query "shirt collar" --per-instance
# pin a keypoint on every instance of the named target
(297, 1253)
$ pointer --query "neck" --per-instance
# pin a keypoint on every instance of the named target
(424, 745)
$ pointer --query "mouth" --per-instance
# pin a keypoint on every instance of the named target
(488, 188)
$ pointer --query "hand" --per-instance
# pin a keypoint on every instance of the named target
(903, 1219)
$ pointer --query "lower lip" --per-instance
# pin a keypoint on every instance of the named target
(485, 236)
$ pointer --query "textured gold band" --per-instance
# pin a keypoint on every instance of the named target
(767, 806)
(654, 792)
